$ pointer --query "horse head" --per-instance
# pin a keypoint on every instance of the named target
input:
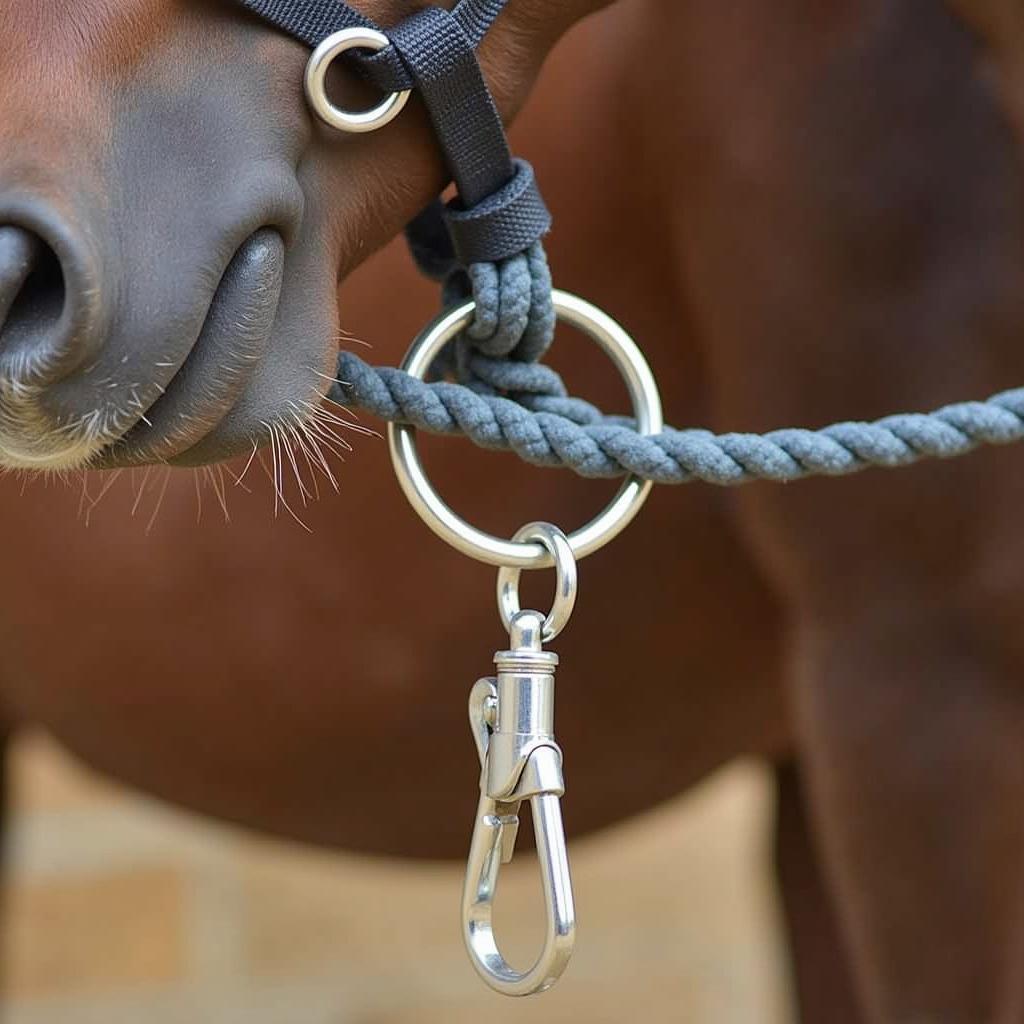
(173, 224)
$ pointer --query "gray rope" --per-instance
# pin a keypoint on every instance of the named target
(514, 317)
(515, 313)
(528, 411)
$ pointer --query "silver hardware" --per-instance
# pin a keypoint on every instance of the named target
(316, 83)
(484, 547)
(512, 719)
(566, 580)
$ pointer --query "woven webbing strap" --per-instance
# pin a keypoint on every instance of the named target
(499, 212)
(312, 21)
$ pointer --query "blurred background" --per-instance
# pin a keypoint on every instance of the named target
(121, 910)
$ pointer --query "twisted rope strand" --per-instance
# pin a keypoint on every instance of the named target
(541, 424)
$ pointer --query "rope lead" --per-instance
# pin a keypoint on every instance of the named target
(534, 417)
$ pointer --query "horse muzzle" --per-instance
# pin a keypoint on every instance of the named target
(99, 366)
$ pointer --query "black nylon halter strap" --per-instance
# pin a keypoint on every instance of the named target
(499, 212)
(312, 21)
(442, 62)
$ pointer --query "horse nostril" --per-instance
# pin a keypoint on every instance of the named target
(31, 284)
(44, 330)
(17, 255)
(32, 300)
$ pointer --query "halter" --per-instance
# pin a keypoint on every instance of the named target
(499, 212)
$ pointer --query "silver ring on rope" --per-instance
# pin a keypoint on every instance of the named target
(566, 580)
(316, 83)
(484, 547)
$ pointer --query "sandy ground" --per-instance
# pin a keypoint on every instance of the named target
(123, 912)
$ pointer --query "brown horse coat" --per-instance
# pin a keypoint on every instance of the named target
(803, 213)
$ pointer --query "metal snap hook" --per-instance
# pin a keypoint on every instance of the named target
(512, 719)
(485, 547)
(316, 83)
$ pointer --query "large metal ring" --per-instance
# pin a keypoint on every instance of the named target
(566, 580)
(316, 83)
(484, 547)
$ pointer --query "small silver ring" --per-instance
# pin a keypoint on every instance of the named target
(484, 547)
(566, 580)
(316, 83)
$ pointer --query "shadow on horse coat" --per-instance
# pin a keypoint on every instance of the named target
(803, 213)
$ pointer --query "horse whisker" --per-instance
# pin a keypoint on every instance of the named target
(159, 502)
(85, 498)
(299, 440)
(199, 497)
(248, 465)
(218, 489)
(277, 477)
(310, 445)
(111, 480)
(334, 444)
(328, 377)
(141, 490)
(237, 480)
(286, 444)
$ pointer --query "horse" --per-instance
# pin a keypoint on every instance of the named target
(803, 213)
